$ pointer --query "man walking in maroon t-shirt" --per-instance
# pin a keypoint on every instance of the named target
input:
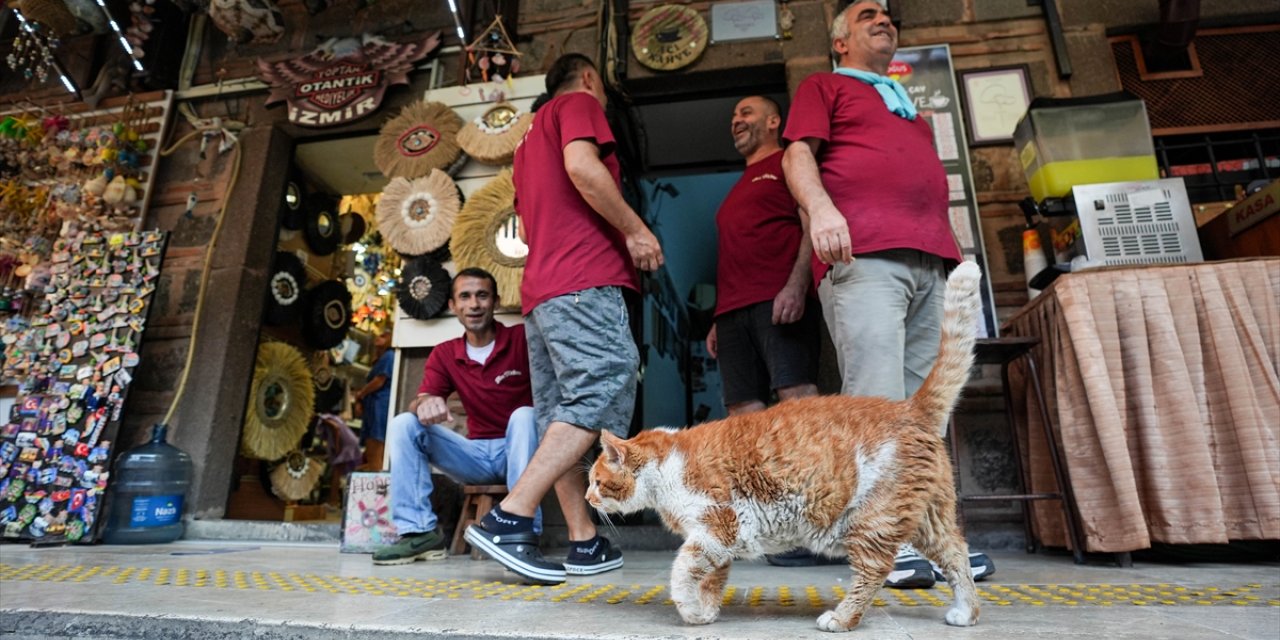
(863, 166)
(585, 243)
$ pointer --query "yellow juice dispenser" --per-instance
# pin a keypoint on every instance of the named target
(1064, 142)
(1091, 168)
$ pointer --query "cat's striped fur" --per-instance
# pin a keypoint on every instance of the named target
(842, 476)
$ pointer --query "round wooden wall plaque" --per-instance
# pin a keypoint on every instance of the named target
(669, 37)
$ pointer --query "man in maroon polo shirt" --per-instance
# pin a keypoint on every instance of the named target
(863, 167)
(489, 368)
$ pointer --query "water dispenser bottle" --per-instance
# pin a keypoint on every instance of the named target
(148, 488)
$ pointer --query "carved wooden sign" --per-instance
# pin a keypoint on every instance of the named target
(669, 37)
(343, 79)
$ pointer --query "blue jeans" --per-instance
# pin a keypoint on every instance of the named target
(415, 448)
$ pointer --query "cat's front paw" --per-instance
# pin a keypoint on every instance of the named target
(958, 617)
(693, 614)
(830, 622)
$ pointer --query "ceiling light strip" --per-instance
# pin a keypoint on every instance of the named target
(457, 22)
(120, 35)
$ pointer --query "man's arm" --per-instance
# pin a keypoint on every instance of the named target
(788, 305)
(828, 229)
(593, 180)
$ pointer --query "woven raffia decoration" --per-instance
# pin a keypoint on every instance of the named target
(280, 402)
(423, 137)
(423, 291)
(296, 477)
(417, 216)
(53, 14)
(489, 211)
(492, 138)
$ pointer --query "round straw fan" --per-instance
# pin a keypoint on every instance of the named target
(492, 137)
(424, 288)
(416, 216)
(327, 315)
(296, 477)
(423, 137)
(486, 235)
(280, 403)
(285, 288)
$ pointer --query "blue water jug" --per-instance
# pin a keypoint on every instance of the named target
(147, 489)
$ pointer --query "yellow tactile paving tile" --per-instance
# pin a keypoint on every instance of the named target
(811, 596)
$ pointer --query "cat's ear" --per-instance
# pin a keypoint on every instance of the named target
(611, 448)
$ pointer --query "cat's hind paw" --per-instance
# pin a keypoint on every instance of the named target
(958, 617)
(830, 622)
(692, 614)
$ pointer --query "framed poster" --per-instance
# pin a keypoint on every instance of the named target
(926, 73)
(994, 100)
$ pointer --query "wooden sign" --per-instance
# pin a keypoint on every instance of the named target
(669, 37)
(343, 79)
(1254, 209)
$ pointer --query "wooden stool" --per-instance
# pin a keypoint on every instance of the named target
(477, 500)
(1004, 351)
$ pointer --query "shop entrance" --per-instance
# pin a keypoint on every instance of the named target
(318, 398)
(689, 165)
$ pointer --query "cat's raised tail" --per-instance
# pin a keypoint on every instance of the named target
(961, 310)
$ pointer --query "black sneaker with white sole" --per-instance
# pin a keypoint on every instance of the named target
(910, 571)
(517, 552)
(588, 560)
(979, 565)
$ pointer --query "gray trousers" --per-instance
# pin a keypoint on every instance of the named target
(884, 312)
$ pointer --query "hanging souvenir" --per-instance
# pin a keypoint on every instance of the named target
(323, 230)
(486, 235)
(424, 288)
(53, 14)
(417, 216)
(327, 315)
(252, 21)
(280, 401)
(421, 138)
(492, 137)
(285, 289)
(492, 55)
(296, 477)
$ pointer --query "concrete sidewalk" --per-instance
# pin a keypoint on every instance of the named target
(213, 589)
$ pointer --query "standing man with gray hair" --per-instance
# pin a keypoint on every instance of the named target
(585, 244)
(863, 167)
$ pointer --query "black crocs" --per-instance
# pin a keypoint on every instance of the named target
(517, 552)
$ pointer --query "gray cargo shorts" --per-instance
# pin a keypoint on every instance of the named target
(583, 362)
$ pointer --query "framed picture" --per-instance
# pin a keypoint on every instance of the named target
(994, 100)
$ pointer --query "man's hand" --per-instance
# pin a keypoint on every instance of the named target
(646, 254)
(788, 305)
(830, 234)
(433, 410)
(712, 344)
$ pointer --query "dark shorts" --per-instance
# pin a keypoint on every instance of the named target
(758, 357)
(583, 362)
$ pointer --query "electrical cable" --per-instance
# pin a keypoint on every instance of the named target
(208, 257)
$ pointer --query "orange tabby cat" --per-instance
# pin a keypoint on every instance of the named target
(838, 475)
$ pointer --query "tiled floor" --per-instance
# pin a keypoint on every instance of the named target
(195, 589)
